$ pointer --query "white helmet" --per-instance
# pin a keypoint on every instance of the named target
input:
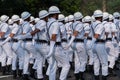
(61, 17)
(93, 18)
(116, 14)
(87, 19)
(4, 18)
(32, 18)
(43, 14)
(53, 10)
(78, 15)
(15, 18)
(66, 19)
(10, 21)
(98, 13)
(25, 15)
(70, 17)
(21, 21)
(37, 19)
(111, 17)
(105, 15)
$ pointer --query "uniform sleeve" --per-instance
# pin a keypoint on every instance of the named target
(15, 30)
(87, 28)
(79, 27)
(114, 27)
(99, 29)
(4, 28)
(107, 28)
(41, 25)
(55, 28)
(26, 28)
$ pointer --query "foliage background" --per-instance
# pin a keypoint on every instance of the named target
(10, 7)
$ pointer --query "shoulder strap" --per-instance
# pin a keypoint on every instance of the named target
(49, 28)
(94, 28)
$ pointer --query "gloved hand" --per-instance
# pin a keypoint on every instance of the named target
(52, 43)
(91, 45)
(69, 44)
(49, 55)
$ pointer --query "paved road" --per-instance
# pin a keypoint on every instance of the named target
(87, 76)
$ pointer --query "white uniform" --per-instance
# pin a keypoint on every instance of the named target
(27, 45)
(6, 48)
(58, 54)
(88, 30)
(79, 48)
(100, 54)
(41, 45)
(69, 28)
(16, 47)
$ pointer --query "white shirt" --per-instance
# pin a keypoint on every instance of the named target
(99, 29)
(42, 26)
(54, 28)
(4, 27)
(108, 29)
(26, 28)
(88, 29)
(78, 26)
(17, 30)
(62, 30)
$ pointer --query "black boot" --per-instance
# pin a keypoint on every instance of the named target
(14, 74)
(0, 67)
(25, 77)
(111, 72)
(72, 66)
(20, 73)
(9, 69)
(97, 78)
(40, 79)
(4, 70)
(104, 77)
(77, 76)
(81, 76)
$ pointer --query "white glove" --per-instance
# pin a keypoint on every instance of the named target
(91, 44)
(69, 44)
(6, 40)
(52, 43)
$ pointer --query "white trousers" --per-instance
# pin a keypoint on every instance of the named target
(59, 56)
(80, 57)
(89, 53)
(42, 51)
(7, 54)
(18, 53)
(29, 49)
(100, 57)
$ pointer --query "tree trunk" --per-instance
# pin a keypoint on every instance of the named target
(104, 5)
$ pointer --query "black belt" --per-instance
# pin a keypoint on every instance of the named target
(100, 41)
(78, 40)
(27, 39)
(64, 40)
(14, 40)
(89, 38)
(58, 44)
(2, 39)
(41, 41)
(108, 39)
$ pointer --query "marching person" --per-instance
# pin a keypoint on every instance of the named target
(16, 49)
(56, 53)
(41, 41)
(98, 45)
(6, 53)
(27, 44)
(88, 38)
(78, 46)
